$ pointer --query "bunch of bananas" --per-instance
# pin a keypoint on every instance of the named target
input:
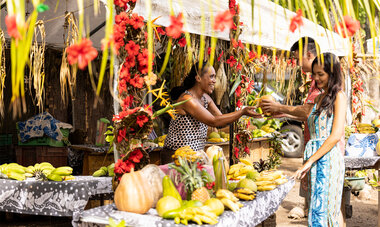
(43, 171)
(239, 171)
(186, 153)
(198, 215)
(268, 180)
(365, 128)
(216, 140)
(105, 171)
(12, 171)
(244, 193)
(228, 199)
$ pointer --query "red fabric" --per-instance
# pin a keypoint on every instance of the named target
(313, 93)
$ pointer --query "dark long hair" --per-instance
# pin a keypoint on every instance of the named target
(189, 81)
(332, 67)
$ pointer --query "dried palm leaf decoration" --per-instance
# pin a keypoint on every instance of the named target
(68, 74)
(37, 69)
(2, 72)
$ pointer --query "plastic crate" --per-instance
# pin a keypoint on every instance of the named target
(48, 141)
(5, 140)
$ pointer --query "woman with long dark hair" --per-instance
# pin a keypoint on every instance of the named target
(324, 163)
(189, 128)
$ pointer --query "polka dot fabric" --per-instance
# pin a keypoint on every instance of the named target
(187, 131)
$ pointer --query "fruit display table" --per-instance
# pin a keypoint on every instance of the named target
(365, 163)
(253, 213)
(65, 198)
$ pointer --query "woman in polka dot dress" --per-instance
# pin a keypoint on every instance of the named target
(190, 126)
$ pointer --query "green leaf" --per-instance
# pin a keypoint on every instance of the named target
(104, 120)
(236, 84)
(42, 8)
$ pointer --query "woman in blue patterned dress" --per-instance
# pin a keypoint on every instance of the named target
(324, 163)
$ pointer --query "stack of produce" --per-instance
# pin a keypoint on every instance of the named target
(41, 171)
(228, 199)
(105, 171)
(365, 128)
(268, 180)
(218, 137)
(240, 170)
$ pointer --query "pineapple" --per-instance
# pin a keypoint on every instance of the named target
(192, 178)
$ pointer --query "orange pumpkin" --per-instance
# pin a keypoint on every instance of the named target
(133, 193)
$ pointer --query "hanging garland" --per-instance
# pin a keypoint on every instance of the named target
(2, 72)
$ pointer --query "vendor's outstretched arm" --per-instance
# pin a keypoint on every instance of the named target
(340, 108)
(301, 111)
(200, 113)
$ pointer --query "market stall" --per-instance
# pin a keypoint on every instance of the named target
(253, 213)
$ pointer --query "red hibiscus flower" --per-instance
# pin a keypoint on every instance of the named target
(209, 50)
(239, 104)
(148, 108)
(122, 19)
(175, 28)
(246, 150)
(127, 102)
(296, 21)
(252, 54)
(137, 81)
(236, 152)
(81, 53)
(220, 56)
(234, 43)
(199, 166)
(182, 42)
(241, 45)
(223, 20)
(250, 86)
(129, 166)
(141, 119)
(135, 156)
(11, 23)
(160, 31)
(129, 62)
(136, 21)
(238, 138)
(231, 61)
(132, 48)
(239, 67)
(124, 74)
(121, 135)
(238, 91)
(210, 185)
(143, 69)
(120, 167)
(143, 57)
(352, 26)
(122, 86)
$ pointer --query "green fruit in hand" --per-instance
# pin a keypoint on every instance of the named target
(253, 174)
(231, 186)
(167, 203)
(247, 183)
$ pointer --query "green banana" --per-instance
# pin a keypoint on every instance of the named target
(55, 177)
(15, 169)
(63, 171)
(111, 169)
(16, 176)
(99, 173)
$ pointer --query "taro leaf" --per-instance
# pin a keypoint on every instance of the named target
(42, 8)
(236, 84)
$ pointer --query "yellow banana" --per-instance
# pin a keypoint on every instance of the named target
(246, 161)
(244, 196)
(230, 204)
(224, 193)
(281, 181)
(15, 169)
(71, 177)
(16, 176)
(246, 191)
(266, 187)
(63, 171)
(264, 178)
(262, 183)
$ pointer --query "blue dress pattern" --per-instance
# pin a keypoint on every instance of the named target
(326, 176)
